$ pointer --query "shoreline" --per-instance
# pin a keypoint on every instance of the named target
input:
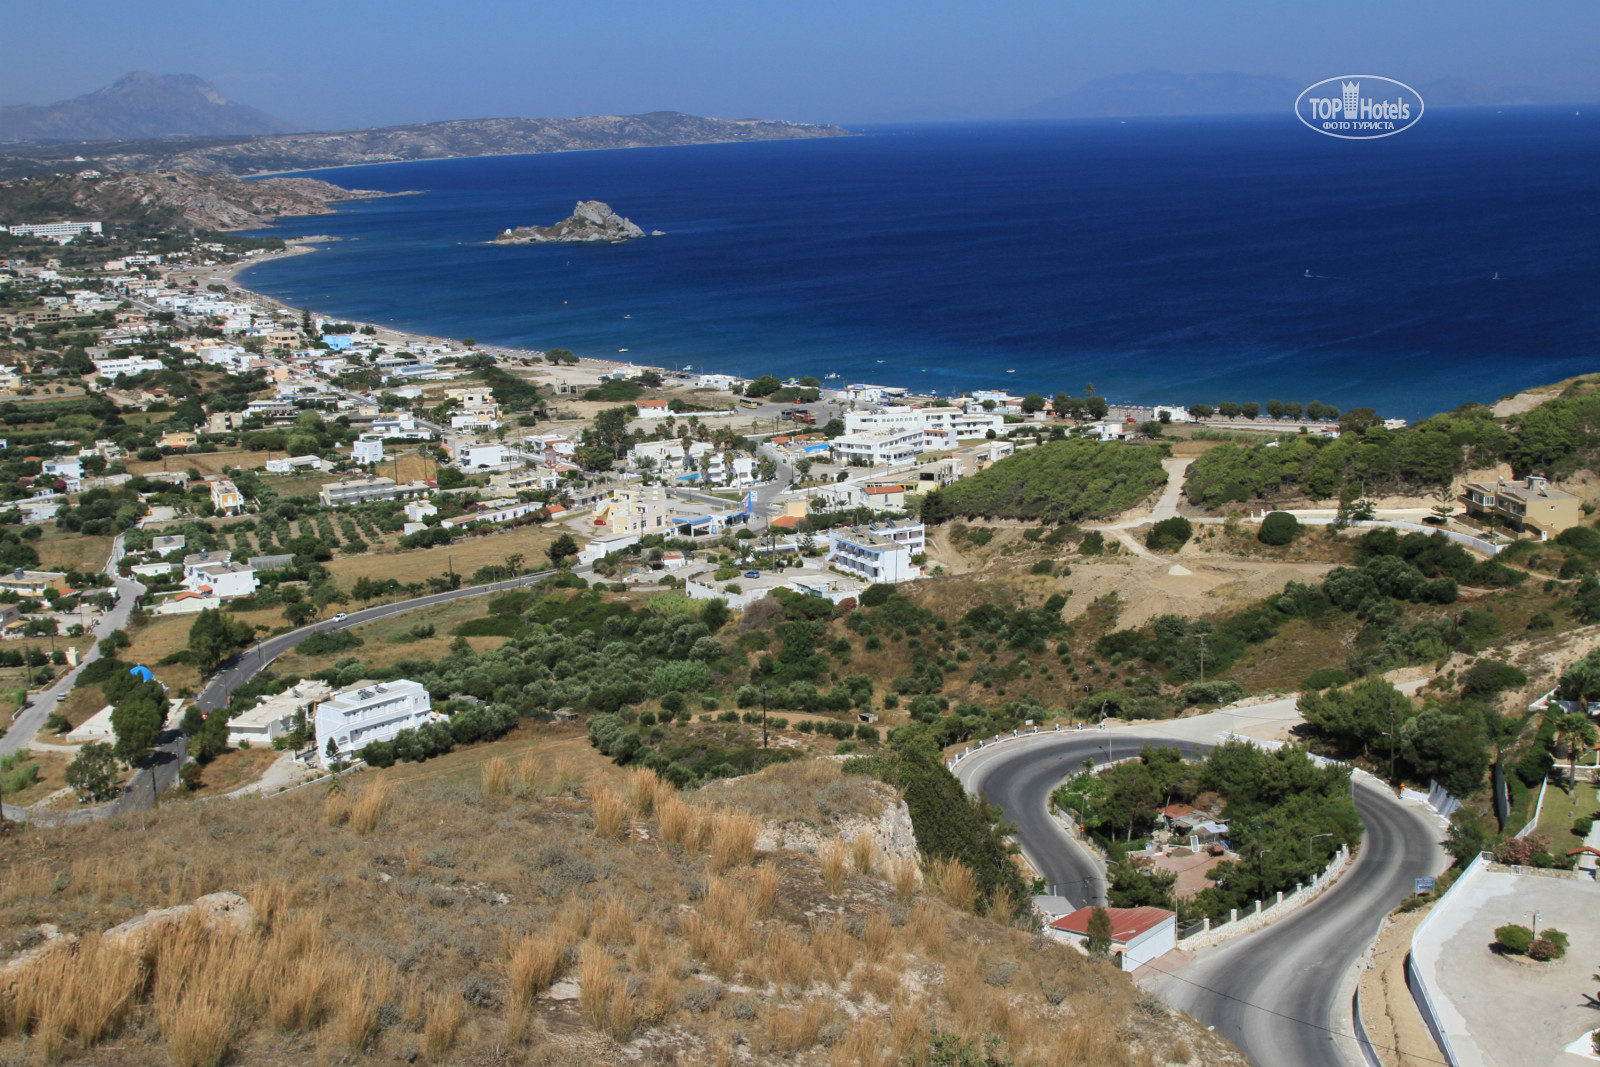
(396, 337)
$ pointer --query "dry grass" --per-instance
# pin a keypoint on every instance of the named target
(903, 875)
(496, 777)
(733, 839)
(534, 962)
(644, 788)
(468, 555)
(504, 893)
(604, 997)
(835, 865)
(609, 812)
(953, 882)
(865, 853)
(446, 1013)
(368, 807)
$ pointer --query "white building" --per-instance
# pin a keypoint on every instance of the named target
(275, 715)
(368, 712)
(880, 447)
(508, 513)
(653, 409)
(943, 423)
(717, 381)
(1138, 935)
(880, 552)
(54, 230)
(290, 464)
(116, 368)
(368, 449)
(418, 510)
(224, 581)
(482, 456)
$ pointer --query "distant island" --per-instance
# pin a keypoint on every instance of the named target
(591, 220)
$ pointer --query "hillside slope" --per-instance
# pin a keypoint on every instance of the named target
(487, 908)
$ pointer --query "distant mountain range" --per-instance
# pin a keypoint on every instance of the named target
(138, 106)
(1161, 92)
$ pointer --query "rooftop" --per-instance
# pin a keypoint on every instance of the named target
(1126, 923)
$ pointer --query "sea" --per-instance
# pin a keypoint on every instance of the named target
(1158, 261)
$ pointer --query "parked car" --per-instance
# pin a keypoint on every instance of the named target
(752, 574)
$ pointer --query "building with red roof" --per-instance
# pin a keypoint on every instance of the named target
(1138, 935)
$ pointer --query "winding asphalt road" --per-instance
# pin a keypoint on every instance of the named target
(1281, 994)
(241, 668)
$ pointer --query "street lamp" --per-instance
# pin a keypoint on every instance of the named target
(1083, 809)
(1312, 838)
(1535, 916)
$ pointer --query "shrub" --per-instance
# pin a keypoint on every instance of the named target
(1325, 678)
(1278, 528)
(1169, 535)
(1542, 950)
(1581, 827)
(1557, 939)
(1044, 566)
(1213, 693)
(1514, 939)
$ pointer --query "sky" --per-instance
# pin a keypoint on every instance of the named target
(347, 63)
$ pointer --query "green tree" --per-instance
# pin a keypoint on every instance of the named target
(1359, 716)
(1031, 403)
(215, 636)
(451, 478)
(1275, 409)
(1250, 409)
(1450, 749)
(1169, 535)
(562, 548)
(93, 771)
(765, 385)
(136, 721)
(1099, 933)
(1278, 528)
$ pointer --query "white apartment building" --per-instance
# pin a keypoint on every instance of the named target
(946, 422)
(221, 580)
(55, 230)
(880, 447)
(275, 715)
(367, 449)
(482, 456)
(368, 712)
(130, 365)
(880, 552)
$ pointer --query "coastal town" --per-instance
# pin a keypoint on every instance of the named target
(251, 549)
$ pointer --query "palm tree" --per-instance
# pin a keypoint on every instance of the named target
(1575, 728)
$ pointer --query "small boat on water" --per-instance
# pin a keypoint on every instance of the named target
(1309, 274)
(627, 316)
(1496, 277)
(622, 350)
(830, 375)
(1011, 372)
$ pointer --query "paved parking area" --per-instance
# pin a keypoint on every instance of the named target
(1506, 1012)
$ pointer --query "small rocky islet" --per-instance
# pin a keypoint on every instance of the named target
(590, 220)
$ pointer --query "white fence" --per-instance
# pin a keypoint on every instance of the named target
(1537, 808)
(1421, 992)
(1266, 913)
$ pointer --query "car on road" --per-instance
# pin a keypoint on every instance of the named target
(340, 617)
(752, 574)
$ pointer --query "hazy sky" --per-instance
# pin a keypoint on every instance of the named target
(335, 63)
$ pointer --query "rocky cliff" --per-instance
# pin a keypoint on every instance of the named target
(590, 221)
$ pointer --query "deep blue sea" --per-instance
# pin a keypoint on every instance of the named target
(1162, 260)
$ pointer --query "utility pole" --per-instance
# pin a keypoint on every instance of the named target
(1202, 639)
(1391, 741)
(763, 716)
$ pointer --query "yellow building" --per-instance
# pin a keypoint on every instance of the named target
(177, 439)
(225, 497)
(1534, 507)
